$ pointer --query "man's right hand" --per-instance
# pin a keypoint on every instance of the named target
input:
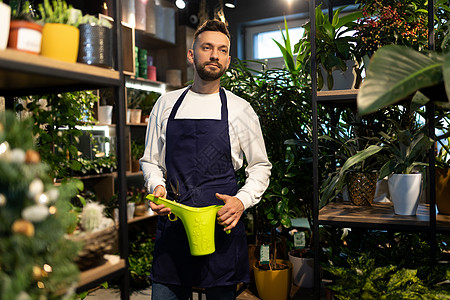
(160, 210)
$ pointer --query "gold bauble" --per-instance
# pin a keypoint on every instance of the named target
(24, 227)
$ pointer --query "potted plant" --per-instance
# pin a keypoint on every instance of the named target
(137, 196)
(388, 22)
(5, 16)
(60, 35)
(137, 151)
(147, 104)
(29, 39)
(95, 47)
(333, 48)
(406, 149)
(134, 111)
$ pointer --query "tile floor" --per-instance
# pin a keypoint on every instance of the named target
(145, 294)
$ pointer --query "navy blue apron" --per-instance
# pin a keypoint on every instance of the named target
(198, 163)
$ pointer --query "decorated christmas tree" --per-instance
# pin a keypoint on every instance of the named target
(36, 258)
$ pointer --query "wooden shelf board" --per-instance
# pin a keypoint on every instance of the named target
(25, 74)
(112, 265)
(379, 215)
(141, 218)
(338, 97)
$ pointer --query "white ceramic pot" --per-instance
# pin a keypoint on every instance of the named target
(405, 192)
(105, 114)
(302, 271)
(5, 15)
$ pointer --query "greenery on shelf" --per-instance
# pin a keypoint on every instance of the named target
(36, 258)
(137, 99)
(137, 150)
(56, 118)
(23, 10)
(372, 264)
(59, 12)
(137, 195)
(284, 112)
(333, 46)
(141, 259)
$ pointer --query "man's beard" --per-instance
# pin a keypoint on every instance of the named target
(209, 75)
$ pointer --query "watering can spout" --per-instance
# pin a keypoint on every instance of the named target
(198, 222)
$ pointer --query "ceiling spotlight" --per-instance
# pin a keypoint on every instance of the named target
(230, 3)
(180, 4)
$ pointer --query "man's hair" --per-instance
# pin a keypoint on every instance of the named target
(212, 25)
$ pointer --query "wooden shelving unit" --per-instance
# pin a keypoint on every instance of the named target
(24, 74)
(113, 267)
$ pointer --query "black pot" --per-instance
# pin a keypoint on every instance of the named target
(95, 45)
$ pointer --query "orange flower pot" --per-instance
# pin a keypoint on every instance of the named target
(25, 36)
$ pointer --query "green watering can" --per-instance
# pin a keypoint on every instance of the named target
(199, 223)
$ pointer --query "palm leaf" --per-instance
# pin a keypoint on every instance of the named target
(395, 73)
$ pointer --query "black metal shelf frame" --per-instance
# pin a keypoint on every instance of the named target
(349, 101)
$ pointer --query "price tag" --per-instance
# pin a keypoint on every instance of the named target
(299, 240)
(264, 254)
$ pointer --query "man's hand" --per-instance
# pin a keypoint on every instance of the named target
(160, 210)
(231, 212)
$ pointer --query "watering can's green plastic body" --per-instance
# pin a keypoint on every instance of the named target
(198, 222)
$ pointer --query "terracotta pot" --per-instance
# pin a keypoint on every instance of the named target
(273, 284)
(135, 166)
(60, 41)
(443, 190)
(25, 36)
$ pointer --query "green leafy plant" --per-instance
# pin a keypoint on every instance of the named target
(56, 118)
(23, 10)
(333, 47)
(93, 20)
(141, 259)
(282, 107)
(397, 72)
(137, 149)
(406, 148)
(364, 280)
(59, 12)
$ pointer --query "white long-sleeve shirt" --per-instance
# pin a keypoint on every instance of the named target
(245, 139)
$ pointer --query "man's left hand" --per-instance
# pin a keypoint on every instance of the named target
(231, 212)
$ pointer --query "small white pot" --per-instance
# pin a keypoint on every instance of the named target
(5, 15)
(302, 271)
(105, 114)
(405, 192)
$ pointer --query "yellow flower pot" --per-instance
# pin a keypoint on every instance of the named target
(273, 284)
(60, 41)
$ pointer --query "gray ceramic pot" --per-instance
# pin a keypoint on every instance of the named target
(95, 45)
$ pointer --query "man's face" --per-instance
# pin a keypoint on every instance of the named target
(210, 55)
